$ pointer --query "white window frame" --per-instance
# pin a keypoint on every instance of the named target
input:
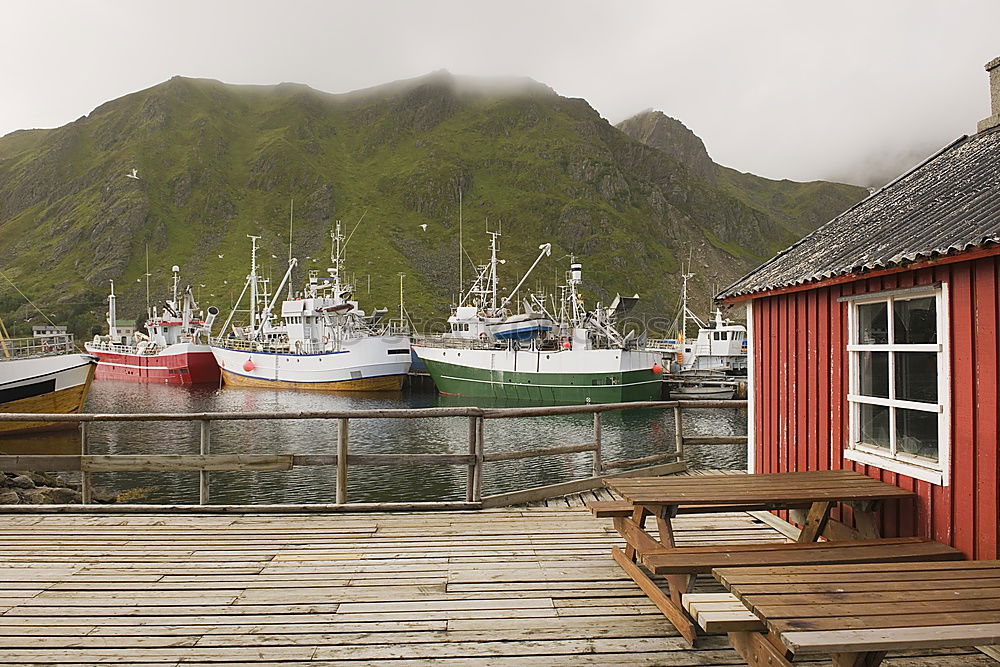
(899, 462)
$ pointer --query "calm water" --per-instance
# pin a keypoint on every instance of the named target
(626, 435)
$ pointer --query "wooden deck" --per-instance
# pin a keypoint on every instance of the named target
(519, 586)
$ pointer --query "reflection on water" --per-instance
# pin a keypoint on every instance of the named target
(626, 435)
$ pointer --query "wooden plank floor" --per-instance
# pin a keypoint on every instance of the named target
(520, 586)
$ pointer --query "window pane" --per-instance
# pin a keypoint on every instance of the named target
(917, 433)
(874, 425)
(873, 323)
(873, 378)
(916, 376)
(915, 320)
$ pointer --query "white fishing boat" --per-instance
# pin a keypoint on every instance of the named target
(321, 341)
(719, 347)
(42, 375)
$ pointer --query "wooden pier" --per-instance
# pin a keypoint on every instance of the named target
(512, 586)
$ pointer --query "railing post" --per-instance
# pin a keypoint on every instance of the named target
(598, 463)
(470, 476)
(341, 461)
(206, 445)
(477, 493)
(679, 432)
(86, 489)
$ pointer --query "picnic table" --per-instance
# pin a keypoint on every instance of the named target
(818, 491)
(855, 613)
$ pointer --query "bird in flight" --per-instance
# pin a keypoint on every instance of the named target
(424, 226)
(220, 256)
(134, 174)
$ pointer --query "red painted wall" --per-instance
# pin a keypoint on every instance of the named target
(801, 411)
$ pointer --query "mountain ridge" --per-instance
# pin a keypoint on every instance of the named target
(218, 161)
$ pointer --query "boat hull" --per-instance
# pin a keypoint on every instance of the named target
(47, 385)
(183, 363)
(612, 376)
(377, 363)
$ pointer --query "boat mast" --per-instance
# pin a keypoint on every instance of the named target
(493, 270)
(684, 303)
(336, 237)
(112, 314)
(252, 278)
(149, 313)
(461, 255)
(291, 213)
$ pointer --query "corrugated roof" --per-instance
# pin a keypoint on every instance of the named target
(947, 204)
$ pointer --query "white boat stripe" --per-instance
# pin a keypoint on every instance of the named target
(561, 386)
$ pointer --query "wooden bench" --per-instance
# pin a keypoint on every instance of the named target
(702, 560)
(610, 509)
(721, 612)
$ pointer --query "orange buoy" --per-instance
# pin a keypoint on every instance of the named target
(567, 345)
(657, 369)
(249, 365)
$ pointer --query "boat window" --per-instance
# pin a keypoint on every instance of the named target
(899, 414)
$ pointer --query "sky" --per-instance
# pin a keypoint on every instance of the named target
(849, 91)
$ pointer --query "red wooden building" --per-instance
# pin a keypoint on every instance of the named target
(874, 344)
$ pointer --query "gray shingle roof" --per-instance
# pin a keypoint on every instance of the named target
(949, 203)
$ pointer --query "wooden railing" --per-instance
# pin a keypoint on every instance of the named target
(205, 462)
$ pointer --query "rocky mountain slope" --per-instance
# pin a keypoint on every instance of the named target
(217, 162)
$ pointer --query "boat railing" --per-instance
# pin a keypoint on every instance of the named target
(42, 346)
(662, 344)
(441, 340)
(475, 459)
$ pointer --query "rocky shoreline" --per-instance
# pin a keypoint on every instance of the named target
(38, 488)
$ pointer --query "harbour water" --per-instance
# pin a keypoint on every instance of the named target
(626, 435)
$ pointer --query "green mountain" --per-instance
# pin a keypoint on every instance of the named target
(217, 162)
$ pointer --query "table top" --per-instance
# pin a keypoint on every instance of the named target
(773, 489)
(844, 608)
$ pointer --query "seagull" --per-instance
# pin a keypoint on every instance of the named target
(200, 285)
(225, 282)
(274, 257)
(221, 256)
(134, 174)
(138, 280)
(424, 226)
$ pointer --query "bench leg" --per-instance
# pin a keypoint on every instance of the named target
(869, 659)
(816, 520)
(757, 650)
(672, 610)
(639, 516)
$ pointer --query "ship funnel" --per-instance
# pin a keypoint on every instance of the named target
(576, 271)
(212, 313)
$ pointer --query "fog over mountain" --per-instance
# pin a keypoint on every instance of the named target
(855, 91)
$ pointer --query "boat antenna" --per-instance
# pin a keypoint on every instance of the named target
(461, 258)
(291, 212)
(147, 274)
(349, 236)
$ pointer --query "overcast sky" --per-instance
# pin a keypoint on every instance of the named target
(850, 90)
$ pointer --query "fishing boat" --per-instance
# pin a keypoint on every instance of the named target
(719, 349)
(174, 349)
(322, 340)
(575, 356)
(42, 375)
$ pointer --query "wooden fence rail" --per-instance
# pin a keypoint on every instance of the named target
(205, 462)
